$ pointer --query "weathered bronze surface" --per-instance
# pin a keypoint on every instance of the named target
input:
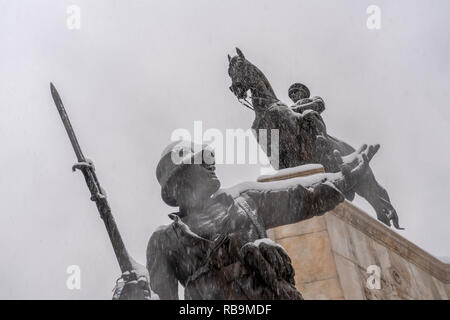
(217, 246)
(302, 131)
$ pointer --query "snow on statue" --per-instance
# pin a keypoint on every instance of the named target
(217, 246)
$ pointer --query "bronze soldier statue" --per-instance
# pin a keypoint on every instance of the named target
(302, 131)
(217, 245)
(310, 110)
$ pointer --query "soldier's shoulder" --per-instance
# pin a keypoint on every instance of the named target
(245, 192)
(160, 237)
(230, 194)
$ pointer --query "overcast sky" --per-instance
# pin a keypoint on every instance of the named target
(137, 70)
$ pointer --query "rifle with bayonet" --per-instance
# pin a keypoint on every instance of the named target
(126, 263)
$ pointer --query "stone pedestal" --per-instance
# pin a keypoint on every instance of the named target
(331, 254)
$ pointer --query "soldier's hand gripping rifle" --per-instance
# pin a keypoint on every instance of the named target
(126, 263)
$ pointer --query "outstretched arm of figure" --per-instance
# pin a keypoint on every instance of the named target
(289, 201)
(162, 278)
(314, 103)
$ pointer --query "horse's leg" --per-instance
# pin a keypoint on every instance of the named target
(378, 198)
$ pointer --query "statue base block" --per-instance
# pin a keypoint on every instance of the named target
(332, 255)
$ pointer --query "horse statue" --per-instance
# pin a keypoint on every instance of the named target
(303, 138)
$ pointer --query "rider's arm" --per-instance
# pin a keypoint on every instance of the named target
(316, 104)
(319, 104)
(162, 278)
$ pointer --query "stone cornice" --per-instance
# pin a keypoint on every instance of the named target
(392, 240)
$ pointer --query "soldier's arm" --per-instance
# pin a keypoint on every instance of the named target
(286, 202)
(162, 278)
(289, 201)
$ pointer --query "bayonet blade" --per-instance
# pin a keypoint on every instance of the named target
(67, 124)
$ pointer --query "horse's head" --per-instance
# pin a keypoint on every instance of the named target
(242, 74)
(244, 77)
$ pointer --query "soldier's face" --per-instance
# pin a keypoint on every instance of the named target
(199, 182)
(208, 183)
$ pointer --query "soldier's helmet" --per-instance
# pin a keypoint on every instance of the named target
(176, 156)
(296, 87)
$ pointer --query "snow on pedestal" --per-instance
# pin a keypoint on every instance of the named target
(294, 172)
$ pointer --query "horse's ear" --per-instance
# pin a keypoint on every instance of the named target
(229, 58)
(239, 52)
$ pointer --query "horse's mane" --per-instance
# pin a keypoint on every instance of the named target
(264, 79)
